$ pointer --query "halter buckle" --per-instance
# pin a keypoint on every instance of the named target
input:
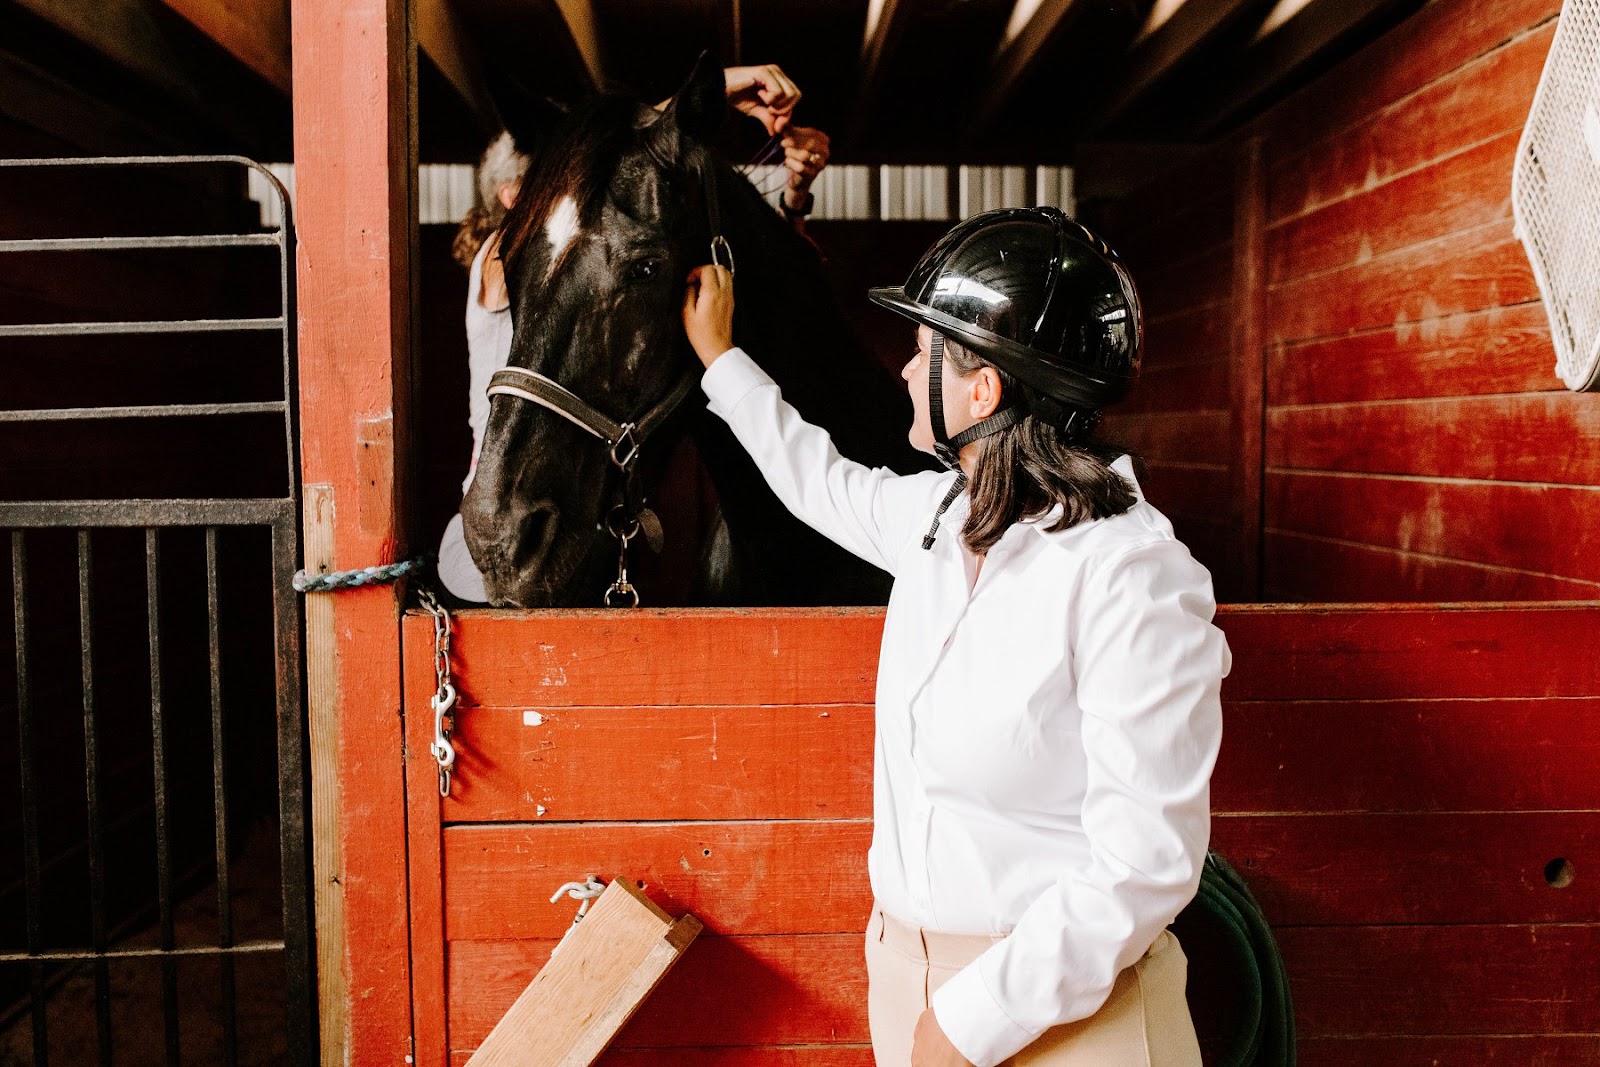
(720, 242)
(628, 437)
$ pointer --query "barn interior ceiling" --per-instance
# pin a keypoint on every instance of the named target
(905, 81)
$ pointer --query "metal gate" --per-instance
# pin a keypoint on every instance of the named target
(153, 854)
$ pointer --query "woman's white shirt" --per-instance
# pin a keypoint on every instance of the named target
(1044, 736)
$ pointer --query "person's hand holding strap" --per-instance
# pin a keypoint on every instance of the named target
(764, 92)
(805, 153)
(708, 312)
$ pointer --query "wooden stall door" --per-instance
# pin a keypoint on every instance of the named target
(1409, 790)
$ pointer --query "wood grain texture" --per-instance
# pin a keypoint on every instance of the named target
(424, 841)
(1371, 869)
(790, 877)
(1475, 103)
(1497, 350)
(1198, 335)
(1525, 437)
(735, 1056)
(516, 764)
(584, 994)
(1196, 436)
(1190, 279)
(662, 657)
(1520, 1050)
(1305, 568)
(1396, 756)
(1460, 192)
(1547, 529)
(1397, 980)
(727, 991)
(1468, 271)
(1194, 490)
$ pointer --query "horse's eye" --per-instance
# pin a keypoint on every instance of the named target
(643, 269)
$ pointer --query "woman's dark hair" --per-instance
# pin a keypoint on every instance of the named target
(1026, 469)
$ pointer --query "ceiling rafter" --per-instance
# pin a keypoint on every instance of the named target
(886, 25)
(255, 32)
(1026, 41)
(443, 38)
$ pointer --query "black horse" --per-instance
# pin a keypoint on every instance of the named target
(613, 215)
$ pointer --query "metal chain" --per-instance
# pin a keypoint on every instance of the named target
(443, 700)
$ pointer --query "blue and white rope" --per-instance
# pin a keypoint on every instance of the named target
(307, 582)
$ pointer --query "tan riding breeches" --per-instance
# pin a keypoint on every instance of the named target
(1143, 1023)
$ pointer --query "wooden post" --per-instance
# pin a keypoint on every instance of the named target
(354, 66)
(1247, 372)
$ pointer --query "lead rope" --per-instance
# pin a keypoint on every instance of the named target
(443, 700)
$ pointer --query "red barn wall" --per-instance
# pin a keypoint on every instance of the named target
(1414, 442)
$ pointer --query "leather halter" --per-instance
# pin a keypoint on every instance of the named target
(623, 440)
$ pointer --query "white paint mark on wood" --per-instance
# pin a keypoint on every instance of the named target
(532, 718)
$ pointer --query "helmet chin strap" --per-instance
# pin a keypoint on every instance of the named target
(948, 448)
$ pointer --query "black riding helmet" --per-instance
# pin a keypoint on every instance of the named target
(1043, 299)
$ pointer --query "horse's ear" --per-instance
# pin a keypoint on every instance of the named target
(698, 107)
(529, 116)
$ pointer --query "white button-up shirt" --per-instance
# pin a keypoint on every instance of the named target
(1044, 736)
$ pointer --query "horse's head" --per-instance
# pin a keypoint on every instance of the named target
(611, 218)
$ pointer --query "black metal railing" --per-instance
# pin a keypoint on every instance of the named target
(147, 863)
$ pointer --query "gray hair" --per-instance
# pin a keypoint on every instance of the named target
(501, 165)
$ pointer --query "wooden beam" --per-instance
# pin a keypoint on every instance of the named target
(1292, 37)
(1026, 42)
(65, 111)
(563, 34)
(1171, 35)
(255, 32)
(583, 30)
(355, 148)
(730, 31)
(886, 24)
(133, 35)
(441, 35)
(1247, 371)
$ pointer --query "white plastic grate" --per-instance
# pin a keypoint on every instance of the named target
(1555, 192)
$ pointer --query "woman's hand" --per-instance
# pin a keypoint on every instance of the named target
(805, 153)
(929, 1046)
(765, 92)
(708, 312)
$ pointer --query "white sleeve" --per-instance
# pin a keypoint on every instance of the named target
(1149, 665)
(865, 510)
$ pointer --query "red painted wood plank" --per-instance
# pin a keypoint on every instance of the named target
(1476, 102)
(1312, 569)
(665, 657)
(424, 856)
(1498, 350)
(1460, 192)
(1532, 1050)
(725, 991)
(1136, 223)
(1408, 756)
(1182, 436)
(1394, 980)
(750, 1056)
(1466, 271)
(1438, 39)
(1247, 368)
(1178, 387)
(1194, 490)
(807, 877)
(1190, 219)
(1369, 869)
(1526, 437)
(1198, 335)
(1544, 528)
(1194, 281)
(1390, 652)
(520, 765)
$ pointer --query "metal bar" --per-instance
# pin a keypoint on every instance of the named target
(243, 948)
(169, 966)
(33, 889)
(91, 765)
(130, 161)
(219, 803)
(85, 329)
(265, 407)
(107, 513)
(300, 992)
(120, 244)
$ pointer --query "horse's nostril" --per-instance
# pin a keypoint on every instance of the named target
(538, 534)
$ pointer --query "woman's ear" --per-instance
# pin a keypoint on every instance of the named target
(986, 390)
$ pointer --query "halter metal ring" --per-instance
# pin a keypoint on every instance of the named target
(720, 244)
(629, 440)
(621, 595)
(623, 530)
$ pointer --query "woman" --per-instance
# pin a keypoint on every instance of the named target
(762, 92)
(1047, 706)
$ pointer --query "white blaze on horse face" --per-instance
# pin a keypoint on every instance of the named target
(562, 227)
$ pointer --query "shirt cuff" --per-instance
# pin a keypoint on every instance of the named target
(975, 1022)
(732, 377)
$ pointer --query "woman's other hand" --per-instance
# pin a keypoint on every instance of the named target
(708, 311)
(763, 91)
(805, 153)
(929, 1046)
